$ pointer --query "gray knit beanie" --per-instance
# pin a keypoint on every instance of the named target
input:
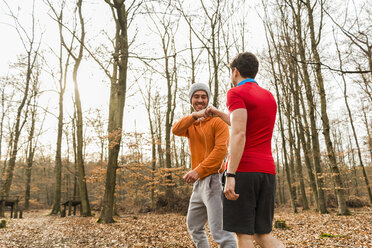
(199, 86)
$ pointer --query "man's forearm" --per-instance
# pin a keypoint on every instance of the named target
(225, 117)
(237, 143)
(180, 128)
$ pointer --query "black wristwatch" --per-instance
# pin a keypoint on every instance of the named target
(230, 174)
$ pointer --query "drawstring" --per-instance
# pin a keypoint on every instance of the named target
(206, 148)
(205, 141)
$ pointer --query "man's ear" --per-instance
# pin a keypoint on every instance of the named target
(236, 72)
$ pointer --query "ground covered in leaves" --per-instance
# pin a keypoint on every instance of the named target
(305, 229)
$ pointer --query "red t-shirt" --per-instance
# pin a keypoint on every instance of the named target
(261, 107)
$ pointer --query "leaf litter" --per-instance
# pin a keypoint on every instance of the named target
(306, 229)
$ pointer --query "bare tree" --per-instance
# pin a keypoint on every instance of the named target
(210, 39)
(166, 30)
(86, 211)
(277, 80)
(63, 69)
(121, 14)
(149, 102)
(31, 47)
(314, 41)
(33, 136)
(353, 126)
(296, 12)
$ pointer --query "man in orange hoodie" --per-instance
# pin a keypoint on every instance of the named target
(208, 142)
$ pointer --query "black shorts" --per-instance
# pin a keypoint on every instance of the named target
(253, 211)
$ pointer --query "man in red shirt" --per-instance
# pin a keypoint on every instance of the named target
(248, 205)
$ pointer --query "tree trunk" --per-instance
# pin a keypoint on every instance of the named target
(286, 166)
(291, 144)
(278, 176)
(354, 131)
(368, 131)
(58, 163)
(305, 204)
(3, 111)
(301, 141)
(116, 110)
(31, 152)
(85, 206)
(8, 175)
(311, 108)
(74, 147)
(279, 104)
(153, 166)
(355, 174)
(343, 210)
(168, 117)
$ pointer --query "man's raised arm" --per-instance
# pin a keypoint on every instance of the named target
(212, 111)
(180, 128)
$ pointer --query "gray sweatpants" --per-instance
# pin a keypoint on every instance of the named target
(206, 204)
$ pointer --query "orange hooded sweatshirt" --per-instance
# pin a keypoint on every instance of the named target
(208, 142)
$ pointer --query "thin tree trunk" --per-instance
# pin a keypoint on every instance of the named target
(286, 166)
(168, 123)
(74, 147)
(311, 108)
(279, 104)
(31, 151)
(305, 204)
(368, 131)
(7, 181)
(302, 141)
(342, 208)
(278, 175)
(62, 86)
(291, 143)
(355, 174)
(354, 131)
(86, 211)
(3, 111)
(58, 163)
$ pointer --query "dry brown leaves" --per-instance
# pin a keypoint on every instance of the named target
(37, 229)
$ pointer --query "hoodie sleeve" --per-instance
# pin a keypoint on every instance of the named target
(219, 151)
(181, 127)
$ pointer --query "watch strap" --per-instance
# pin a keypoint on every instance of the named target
(230, 174)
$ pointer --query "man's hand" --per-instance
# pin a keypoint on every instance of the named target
(229, 190)
(201, 119)
(198, 114)
(191, 176)
(211, 111)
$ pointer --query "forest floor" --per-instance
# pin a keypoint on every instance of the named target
(306, 229)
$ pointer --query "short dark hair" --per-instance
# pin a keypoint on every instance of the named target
(246, 63)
